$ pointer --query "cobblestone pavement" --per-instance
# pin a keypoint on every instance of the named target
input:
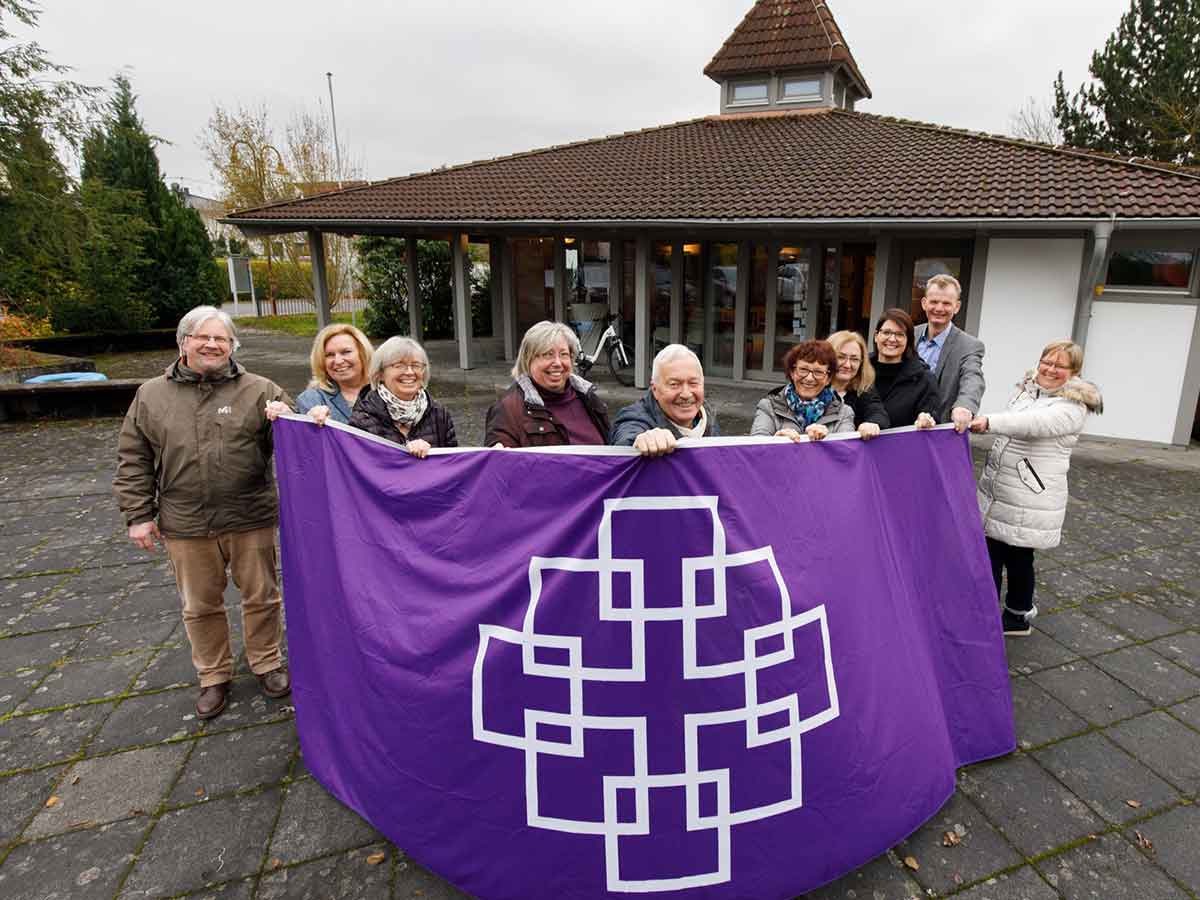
(110, 788)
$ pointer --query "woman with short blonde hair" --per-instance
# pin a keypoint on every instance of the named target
(854, 382)
(339, 359)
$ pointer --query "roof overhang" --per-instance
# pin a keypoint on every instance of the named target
(265, 227)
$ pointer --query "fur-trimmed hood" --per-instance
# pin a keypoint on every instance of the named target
(1076, 389)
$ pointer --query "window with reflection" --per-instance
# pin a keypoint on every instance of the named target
(749, 92)
(791, 304)
(796, 89)
(660, 303)
(1151, 268)
(693, 299)
(925, 268)
(723, 282)
(533, 280)
(829, 290)
(756, 307)
(587, 283)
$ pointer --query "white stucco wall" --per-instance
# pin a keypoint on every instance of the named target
(1137, 354)
(1028, 300)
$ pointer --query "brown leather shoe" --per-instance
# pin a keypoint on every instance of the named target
(276, 683)
(211, 702)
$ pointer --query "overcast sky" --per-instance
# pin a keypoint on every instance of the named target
(422, 83)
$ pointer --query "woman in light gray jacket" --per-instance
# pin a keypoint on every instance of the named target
(1023, 489)
(807, 405)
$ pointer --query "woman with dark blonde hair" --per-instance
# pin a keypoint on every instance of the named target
(339, 360)
(1023, 489)
(854, 382)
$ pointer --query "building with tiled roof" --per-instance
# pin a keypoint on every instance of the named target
(790, 214)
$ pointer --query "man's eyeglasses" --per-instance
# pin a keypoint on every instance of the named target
(219, 339)
(805, 374)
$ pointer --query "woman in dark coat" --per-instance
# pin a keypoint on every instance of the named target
(548, 405)
(854, 382)
(908, 388)
(397, 405)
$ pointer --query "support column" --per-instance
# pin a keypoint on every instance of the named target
(676, 321)
(884, 252)
(774, 247)
(462, 297)
(835, 297)
(975, 287)
(495, 279)
(616, 276)
(316, 253)
(741, 305)
(415, 322)
(643, 292)
(816, 282)
(507, 301)
(560, 280)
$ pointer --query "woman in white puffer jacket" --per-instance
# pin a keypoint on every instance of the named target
(1023, 489)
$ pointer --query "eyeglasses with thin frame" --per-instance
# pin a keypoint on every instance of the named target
(407, 366)
(891, 335)
(1055, 365)
(219, 339)
(803, 373)
(550, 356)
(846, 357)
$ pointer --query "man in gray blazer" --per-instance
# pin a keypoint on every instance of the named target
(955, 357)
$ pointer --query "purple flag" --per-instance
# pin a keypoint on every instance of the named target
(738, 671)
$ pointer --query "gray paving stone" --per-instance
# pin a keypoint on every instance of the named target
(347, 876)
(124, 635)
(1039, 717)
(1069, 583)
(1105, 777)
(1081, 632)
(230, 890)
(72, 683)
(107, 788)
(1023, 884)
(1188, 712)
(1108, 869)
(1033, 811)
(235, 760)
(28, 590)
(1091, 693)
(149, 719)
(980, 852)
(21, 796)
(883, 878)
(1175, 603)
(314, 822)
(171, 667)
(1155, 678)
(65, 611)
(48, 559)
(1176, 838)
(1183, 648)
(1133, 618)
(225, 840)
(38, 649)
(156, 600)
(1035, 652)
(83, 865)
(15, 686)
(414, 882)
(43, 738)
(1123, 575)
(1167, 746)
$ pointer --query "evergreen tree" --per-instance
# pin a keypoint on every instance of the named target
(1145, 97)
(120, 154)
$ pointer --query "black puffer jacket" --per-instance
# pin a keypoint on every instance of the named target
(371, 415)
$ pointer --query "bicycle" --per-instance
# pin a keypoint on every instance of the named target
(620, 357)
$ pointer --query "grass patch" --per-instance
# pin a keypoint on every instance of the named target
(304, 325)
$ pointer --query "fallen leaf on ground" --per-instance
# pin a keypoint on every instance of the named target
(53, 801)
(1136, 804)
(75, 780)
(911, 862)
(276, 862)
(376, 858)
(199, 792)
(1144, 842)
(951, 839)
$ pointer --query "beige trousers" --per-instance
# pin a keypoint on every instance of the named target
(200, 565)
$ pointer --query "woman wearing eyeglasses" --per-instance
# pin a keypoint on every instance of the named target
(1023, 489)
(397, 405)
(548, 404)
(854, 382)
(807, 405)
(908, 388)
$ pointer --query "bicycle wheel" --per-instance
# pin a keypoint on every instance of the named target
(620, 363)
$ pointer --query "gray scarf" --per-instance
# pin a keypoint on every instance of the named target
(404, 412)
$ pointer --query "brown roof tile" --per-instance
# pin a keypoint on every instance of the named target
(784, 34)
(817, 164)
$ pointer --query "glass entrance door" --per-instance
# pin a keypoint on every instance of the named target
(921, 260)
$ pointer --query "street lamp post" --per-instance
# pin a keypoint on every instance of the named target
(258, 155)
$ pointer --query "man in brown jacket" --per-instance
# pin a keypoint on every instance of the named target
(194, 453)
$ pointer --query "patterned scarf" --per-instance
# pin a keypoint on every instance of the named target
(404, 412)
(807, 411)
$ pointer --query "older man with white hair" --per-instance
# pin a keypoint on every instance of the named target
(194, 471)
(673, 408)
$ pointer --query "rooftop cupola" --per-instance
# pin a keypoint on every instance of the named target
(787, 54)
